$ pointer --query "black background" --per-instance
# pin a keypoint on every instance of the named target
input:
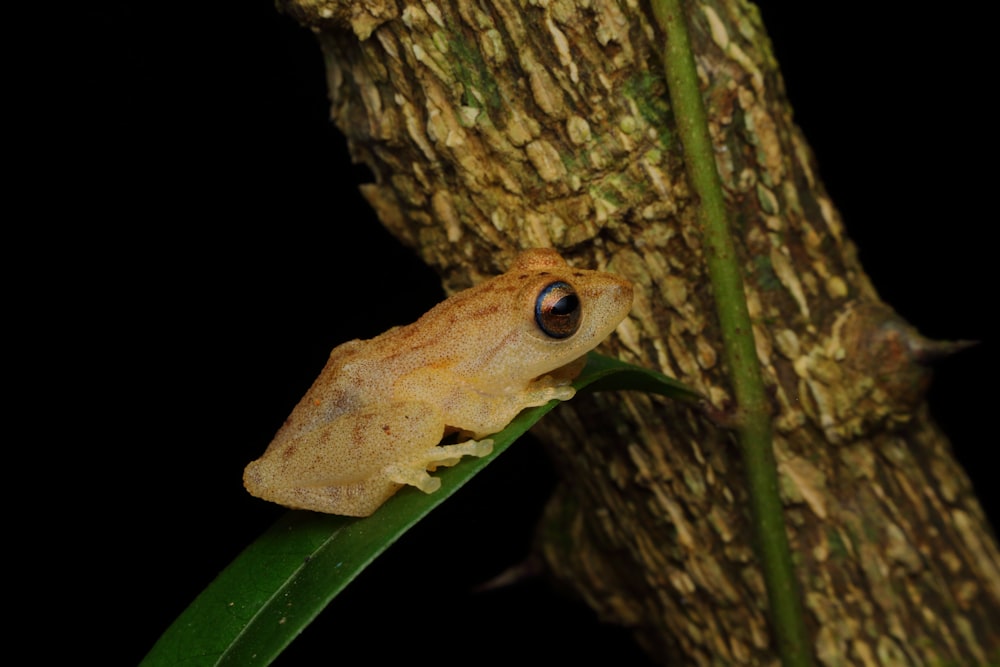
(187, 330)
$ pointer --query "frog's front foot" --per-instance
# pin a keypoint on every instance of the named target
(547, 388)
(415, 473)
(449, 455)
(413, 476)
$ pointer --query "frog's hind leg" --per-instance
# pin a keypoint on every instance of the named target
(414, 472)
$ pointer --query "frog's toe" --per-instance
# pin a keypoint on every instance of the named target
(417, 477)
(481, 448)
(451, 454)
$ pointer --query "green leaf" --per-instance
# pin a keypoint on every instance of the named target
(607, 374)
(279, 584)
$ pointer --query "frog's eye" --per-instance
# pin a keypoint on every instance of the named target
(557, 310)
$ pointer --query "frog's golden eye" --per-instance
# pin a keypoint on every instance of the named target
(557, 310)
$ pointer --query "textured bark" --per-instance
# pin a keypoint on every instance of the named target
(496, 126)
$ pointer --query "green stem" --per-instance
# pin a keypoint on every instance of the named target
(754, 421)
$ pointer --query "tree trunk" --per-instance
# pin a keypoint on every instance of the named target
(491, 127)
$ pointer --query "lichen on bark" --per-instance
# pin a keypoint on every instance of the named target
(490, 127)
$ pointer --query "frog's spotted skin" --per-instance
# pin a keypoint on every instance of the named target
(374, 417)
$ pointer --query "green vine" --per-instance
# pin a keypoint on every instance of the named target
(753, 423)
